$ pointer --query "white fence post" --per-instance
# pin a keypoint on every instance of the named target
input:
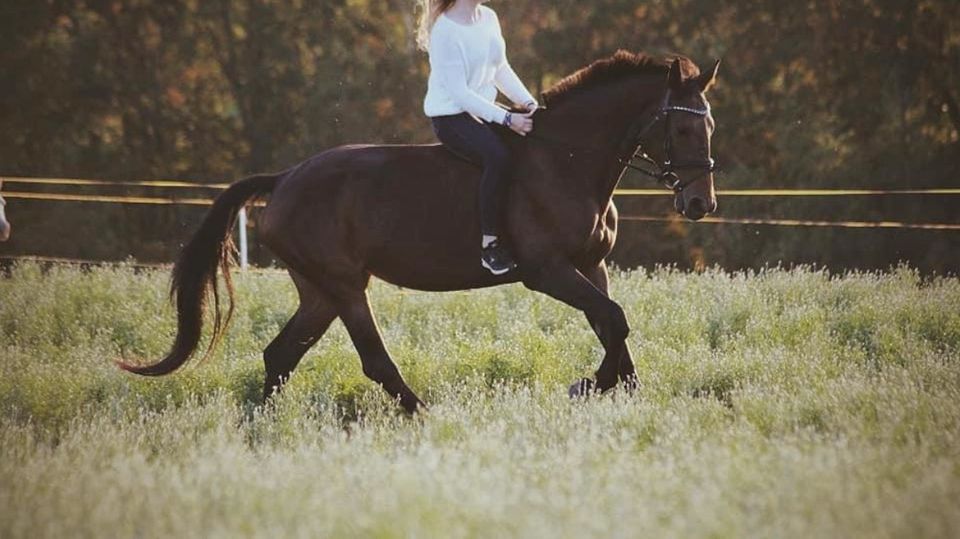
(242, 225)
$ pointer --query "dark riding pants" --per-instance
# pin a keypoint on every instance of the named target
(477, 142)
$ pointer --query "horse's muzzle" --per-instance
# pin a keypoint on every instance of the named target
(695, 209)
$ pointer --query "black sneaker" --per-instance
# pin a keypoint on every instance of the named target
(496, 258)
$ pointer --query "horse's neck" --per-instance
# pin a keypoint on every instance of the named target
(600, 121)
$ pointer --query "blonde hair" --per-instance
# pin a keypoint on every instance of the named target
(430, 10)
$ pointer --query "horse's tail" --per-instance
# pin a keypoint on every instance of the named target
(195, 274)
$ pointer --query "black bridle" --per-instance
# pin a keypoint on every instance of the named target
(665, 171)
(634, 146)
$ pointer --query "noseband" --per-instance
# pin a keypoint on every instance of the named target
(665, 171)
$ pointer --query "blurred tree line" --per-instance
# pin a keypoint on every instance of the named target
(824, 93)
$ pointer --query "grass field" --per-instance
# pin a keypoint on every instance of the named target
(773, 404)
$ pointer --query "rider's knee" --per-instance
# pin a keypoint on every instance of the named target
(497, 157)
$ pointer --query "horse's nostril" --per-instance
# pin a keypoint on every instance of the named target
(697, 206)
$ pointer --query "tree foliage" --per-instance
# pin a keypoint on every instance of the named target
(812, 94)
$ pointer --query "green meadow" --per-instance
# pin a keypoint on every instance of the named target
(780, 403)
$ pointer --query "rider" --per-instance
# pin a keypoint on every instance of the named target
(468, 63)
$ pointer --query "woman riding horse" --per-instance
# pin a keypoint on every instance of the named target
(468, 63)
(409, 215)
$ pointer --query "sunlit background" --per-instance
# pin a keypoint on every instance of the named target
(811, 95)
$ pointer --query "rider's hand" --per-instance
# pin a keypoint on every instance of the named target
(521, 124)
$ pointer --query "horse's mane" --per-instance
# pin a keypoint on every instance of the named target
(622, 63)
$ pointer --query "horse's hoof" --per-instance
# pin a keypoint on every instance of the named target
(581, 388)
(631, 383)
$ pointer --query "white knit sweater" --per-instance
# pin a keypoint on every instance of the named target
(468, 63)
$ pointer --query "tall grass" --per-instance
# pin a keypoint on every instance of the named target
(779, 403)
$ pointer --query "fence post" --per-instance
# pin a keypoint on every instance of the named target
(242, 225)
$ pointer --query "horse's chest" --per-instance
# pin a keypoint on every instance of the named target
(604, 233)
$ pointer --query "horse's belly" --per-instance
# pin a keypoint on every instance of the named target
(434, 269)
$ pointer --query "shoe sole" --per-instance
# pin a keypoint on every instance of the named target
(494, 271)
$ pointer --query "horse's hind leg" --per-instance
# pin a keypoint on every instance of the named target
(305, 328)
(358, 318)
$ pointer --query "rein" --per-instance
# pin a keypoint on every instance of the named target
(665, 174)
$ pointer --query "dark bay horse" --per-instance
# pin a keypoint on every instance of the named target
(408, 214)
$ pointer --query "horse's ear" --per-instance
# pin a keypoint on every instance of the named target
(707, 80)
(675, 77)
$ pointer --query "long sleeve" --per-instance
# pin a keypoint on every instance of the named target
(447, 63)
(509, 83)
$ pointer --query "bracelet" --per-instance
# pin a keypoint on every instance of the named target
(530, 105)
(506, 119)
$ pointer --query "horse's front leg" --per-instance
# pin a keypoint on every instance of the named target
(597, 275)
(562, 281)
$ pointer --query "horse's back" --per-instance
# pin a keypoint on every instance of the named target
(406, 213)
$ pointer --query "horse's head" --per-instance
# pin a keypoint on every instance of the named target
(689, 125)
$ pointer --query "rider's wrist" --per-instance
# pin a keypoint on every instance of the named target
(506, 119)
